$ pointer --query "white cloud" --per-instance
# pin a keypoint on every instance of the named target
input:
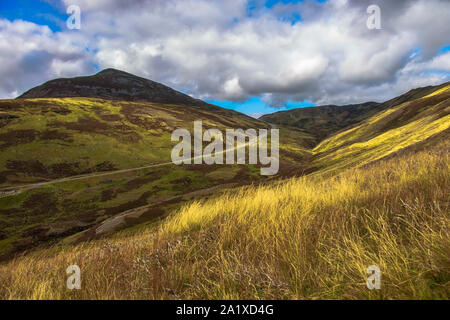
(214, 50)
(32, 54)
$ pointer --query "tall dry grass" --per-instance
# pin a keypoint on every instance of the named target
(307, 238)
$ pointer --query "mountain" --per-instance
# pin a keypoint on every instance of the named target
(111, 84)
(109, 120)
(323, 121)
(375, 194)
(77, 152)
(88, 159)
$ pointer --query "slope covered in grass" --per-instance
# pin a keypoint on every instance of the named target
(389, 131)
(46, 139)
(378, 195)
(43, 140)
(323, 121)
(305, 238)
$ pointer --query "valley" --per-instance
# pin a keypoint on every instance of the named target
(86, 175)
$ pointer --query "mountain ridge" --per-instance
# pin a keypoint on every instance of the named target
(111, 84)
(325, 121)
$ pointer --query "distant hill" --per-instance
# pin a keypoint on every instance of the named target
(324, 121)
(110, 84)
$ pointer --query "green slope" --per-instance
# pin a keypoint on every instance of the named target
(52, 138)
(45, 139)
(399, 127)
(324, 121)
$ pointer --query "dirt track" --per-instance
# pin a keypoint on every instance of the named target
(25, 187)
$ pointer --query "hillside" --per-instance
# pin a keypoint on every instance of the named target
(50, 138)
(307, 238)
(324, 121)
(405, 125)
(70, 163)
(371, 193)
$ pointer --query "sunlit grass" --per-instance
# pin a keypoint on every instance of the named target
(387, 132)
(305, 238)
(445, 89)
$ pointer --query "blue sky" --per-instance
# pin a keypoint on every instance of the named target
(256, 107)
(37, 11)
(252, 56)
(52, 14)
(292, 17)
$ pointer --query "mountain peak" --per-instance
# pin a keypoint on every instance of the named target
(114, 72)
(107, 70)
(110, 84)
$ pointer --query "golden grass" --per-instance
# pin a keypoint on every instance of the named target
(306, 238)
(445, 89)
(387, 132)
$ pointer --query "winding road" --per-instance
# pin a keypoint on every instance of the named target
(15, 190)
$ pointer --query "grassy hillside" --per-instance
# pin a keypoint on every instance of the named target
(49, 138)
(389, 131)
(373, 193)
(46, 139)
(305, 238)
(324, 121)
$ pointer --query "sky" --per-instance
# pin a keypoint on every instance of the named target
(253, 56)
